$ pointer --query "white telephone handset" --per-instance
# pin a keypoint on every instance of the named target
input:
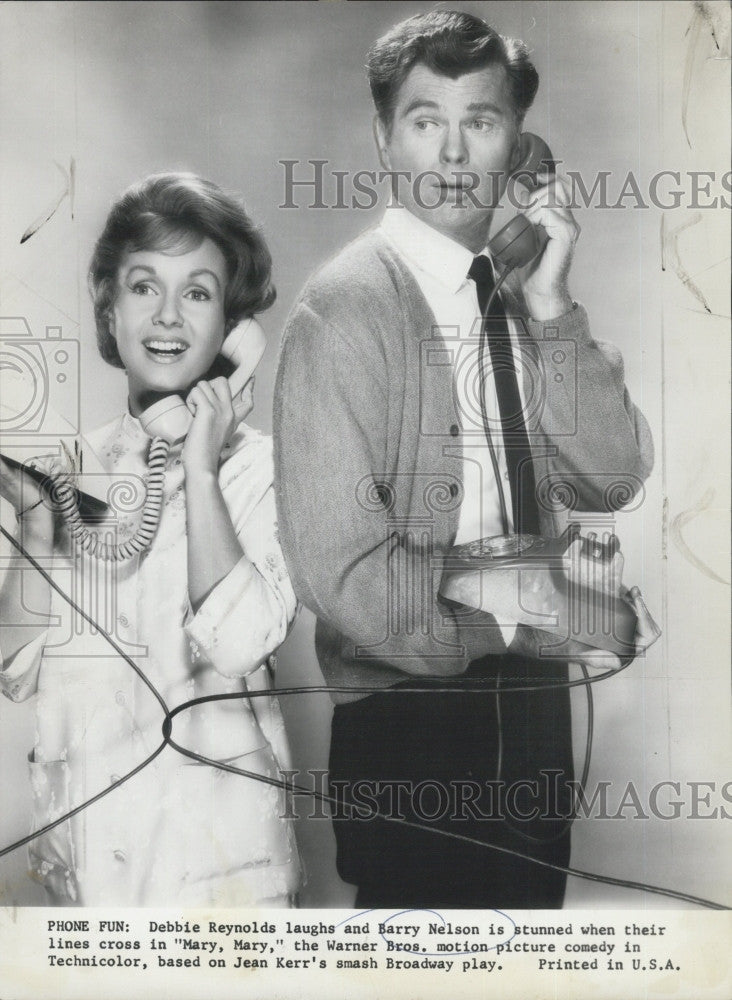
(171, 419)
(166, 422)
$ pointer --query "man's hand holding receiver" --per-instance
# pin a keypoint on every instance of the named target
(545, 279)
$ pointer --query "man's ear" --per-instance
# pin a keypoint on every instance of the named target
(382, 143)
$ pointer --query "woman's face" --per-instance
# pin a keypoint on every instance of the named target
(168, 319)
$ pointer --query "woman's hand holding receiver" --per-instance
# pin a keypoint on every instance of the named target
(214, 422)
(213, 548)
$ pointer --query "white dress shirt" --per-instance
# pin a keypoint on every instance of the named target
(440, 266)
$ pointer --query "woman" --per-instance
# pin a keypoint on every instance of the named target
(201, 611)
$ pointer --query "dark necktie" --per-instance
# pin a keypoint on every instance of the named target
(513, 427)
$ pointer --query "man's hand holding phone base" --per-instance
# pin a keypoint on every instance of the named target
(565, 594)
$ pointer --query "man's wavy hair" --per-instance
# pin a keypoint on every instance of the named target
(451, 43)
(174, 213)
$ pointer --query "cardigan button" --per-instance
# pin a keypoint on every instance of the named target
(454, 430)
(453, 490)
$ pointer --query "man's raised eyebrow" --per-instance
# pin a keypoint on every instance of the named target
(477, 106)
(420, 102)
(486, 106)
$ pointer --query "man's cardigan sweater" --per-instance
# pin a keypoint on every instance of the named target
(368, 463)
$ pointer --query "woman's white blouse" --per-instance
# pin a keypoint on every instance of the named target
(178, 832)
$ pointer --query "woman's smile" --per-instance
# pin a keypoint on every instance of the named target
(165, 351)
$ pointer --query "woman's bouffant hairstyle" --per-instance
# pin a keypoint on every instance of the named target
(452, 43)
(174, 213)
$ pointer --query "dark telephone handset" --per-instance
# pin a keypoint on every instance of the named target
(520, 240)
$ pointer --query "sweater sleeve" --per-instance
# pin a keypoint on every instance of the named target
(600, 445)
(361, 576)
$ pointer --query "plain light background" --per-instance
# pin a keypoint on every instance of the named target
(230, 89)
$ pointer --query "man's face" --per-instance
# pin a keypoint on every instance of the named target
(450, 136)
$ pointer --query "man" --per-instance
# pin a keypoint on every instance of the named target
(384, 462)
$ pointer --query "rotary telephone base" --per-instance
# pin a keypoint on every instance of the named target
(568, 587)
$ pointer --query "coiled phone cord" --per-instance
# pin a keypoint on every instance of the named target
(65, 498)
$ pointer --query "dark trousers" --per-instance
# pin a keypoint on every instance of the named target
(490, 768)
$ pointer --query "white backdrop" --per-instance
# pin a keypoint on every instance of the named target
(229, 90)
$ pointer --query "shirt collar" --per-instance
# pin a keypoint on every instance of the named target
(132, 428)
(431, 251)
(139, 440)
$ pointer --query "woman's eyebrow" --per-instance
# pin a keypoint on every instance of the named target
(205, 270)
(141, 267)
(193, 274)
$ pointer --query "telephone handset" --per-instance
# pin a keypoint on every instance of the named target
(166, 422)
(171, 419)
(520, 240)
